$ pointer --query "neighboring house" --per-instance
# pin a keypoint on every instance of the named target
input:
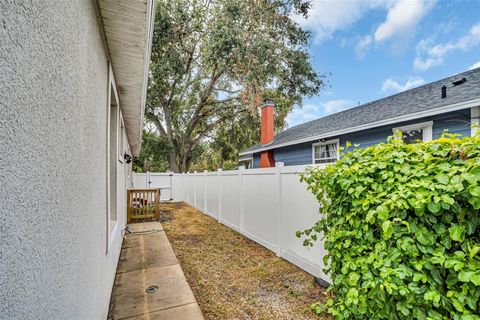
(422, 113)
(73, 78)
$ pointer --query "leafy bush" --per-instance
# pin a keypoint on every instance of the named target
(401, 227)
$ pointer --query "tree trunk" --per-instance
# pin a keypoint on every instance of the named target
(172, 163)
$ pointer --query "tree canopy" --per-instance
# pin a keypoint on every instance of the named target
(212, 64)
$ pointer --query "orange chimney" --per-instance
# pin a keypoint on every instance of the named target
(266, 157)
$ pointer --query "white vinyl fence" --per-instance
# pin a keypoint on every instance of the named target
(266, 205)
(162, 181)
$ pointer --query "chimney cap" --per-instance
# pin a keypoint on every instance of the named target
(267, 102)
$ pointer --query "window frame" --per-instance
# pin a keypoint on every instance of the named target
(320, 143)
(427, 129)
(120, 137)
(111, 229)
(474, 120)
(248, 160)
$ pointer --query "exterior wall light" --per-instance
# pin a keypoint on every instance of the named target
(127, 157)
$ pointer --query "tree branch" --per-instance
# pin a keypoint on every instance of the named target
(154, 119)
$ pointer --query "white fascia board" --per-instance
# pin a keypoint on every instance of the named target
(411, 116)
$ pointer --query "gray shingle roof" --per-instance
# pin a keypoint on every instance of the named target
(415, 100)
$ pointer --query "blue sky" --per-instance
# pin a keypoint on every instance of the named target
(374, 48)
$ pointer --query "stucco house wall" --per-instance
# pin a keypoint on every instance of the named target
(54, 262)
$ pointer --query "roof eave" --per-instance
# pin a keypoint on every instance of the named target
(128, 31)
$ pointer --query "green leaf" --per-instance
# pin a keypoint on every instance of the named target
(435, 315)
(425, 237)
(474, 251)
(448, 199)
(382, 213)
(434, 207)
(457, 232)
(387, 229)
(442, 178)
(466, 276)
(476, 279)
(474, 191)
(370, 218)
(353, 278)
(432, 296)
(403, 308)
(471, 178)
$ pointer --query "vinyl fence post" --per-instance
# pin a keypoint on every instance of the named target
(171, 185)
(219, 197)
(147, 180)
(187, 191)
(205, 191)
(242, 199)
(194, 183)
(278, 209)
(184, 188)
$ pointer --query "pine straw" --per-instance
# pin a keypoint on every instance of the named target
(231, 276)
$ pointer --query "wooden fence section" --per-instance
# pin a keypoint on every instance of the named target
(143, 204)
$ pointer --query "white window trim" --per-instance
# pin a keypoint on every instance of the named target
(427, 127)
(111, 231)
(474, 121)
(337, 141)
(120, 127)
(249, 159)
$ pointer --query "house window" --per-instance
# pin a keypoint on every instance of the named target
(247, 162)
(113, 128)
(416, 132)
(325, 152)
(113, 154)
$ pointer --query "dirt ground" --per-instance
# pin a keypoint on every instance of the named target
(231, 276)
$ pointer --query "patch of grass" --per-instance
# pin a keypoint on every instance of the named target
(233, 277)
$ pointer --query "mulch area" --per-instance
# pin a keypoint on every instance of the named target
(233, 277)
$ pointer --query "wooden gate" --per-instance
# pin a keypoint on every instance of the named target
(143, 204)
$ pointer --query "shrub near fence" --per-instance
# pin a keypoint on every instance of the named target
(402, 230)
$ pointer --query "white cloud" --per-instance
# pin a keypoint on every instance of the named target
(402, 18)
(326, 17)
(429, 55)
(392, 86)
(312, 111)
(362, 46)
(474, 66)
(334, 106)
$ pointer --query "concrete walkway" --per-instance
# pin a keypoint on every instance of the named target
(147, 261)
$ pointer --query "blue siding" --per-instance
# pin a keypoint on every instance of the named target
(256, 160)
(294, 155)
(456, 122)
(367, 138)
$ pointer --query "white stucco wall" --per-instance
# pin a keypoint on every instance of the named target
(53, 107)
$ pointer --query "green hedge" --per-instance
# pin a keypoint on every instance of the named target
(401, 229)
